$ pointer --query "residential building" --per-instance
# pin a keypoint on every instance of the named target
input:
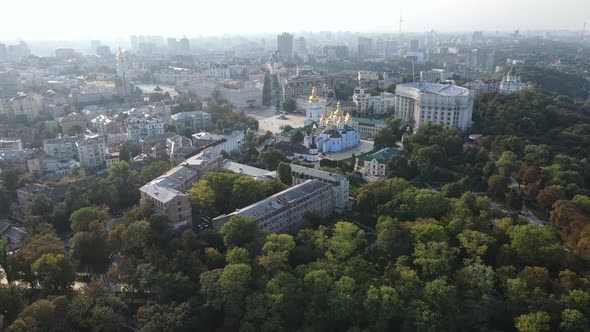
(300, 47)
(362, 100)
(242, 95)
(217, 144)
(367, 128)
(302, 86)
(29, 105)
(339, 183)
(91, 151)
(365, 47)
(445, 104)
(111, 158)
(16, 159)
(483, 60)
(11, 145)
(285, 46)
(482, 87)
(62, 148)
(94, 92)
(27, 194)
(335, 52)
(104, 125)
(185, 46)
(376, 163)
(284, 211)
(167, 193)
(73, 122)
(191, 122)
(141, 128)
(220, 71)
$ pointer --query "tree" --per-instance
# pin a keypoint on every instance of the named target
(508, 163)
(392, 237)
(289, 105)
(297, 136)
(498, 186)
(81, 218)
(271, 157)
(453, 190)
(435, 259)
(41, 316)
(90, 251)
(548, 196)
(12, 301)
(237, 255)
(537, 155)
(240, 231)
(54, 272)
(163, 317)
(536, 245)
(284, 173)
(382, 304)
(475, 244)
(573, 320)
(276, 249)
(346, 240)
(533, 322)
(41, 206)
(390, 88)
(400, 166)
(233, 287)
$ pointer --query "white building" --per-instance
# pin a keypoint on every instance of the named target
(11, 145)
(376, 163)
(241, 95)
(62, 148)
(217, 144)
(29, 105)
(362, 99)
(314, 109)
(91, 151)
(445, 104)
(140, 128)
(511, 82)
(434, 75)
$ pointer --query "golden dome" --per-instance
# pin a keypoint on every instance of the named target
(120, 55)
(314, 96)
(338, 111)
(348, 118)
(340, 121)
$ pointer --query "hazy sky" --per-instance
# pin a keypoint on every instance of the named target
(83, 19)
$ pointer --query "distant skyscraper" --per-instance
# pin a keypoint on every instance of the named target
(285, 46)
(483, 59)
(185, 46)
(172, 46)
(3, 54)
(414, 45)
(103, 51)
(365, 46)
(476, 37)
(300, 47)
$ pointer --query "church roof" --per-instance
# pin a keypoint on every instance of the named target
(383, 155)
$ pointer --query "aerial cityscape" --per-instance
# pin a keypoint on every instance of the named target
(234, 168)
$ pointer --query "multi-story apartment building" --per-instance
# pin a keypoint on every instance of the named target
(285, 46)
(362, 99)
(91, 151)
(339, 183)
(167, 193)
(191, 121)
(481, 87)
(62, 148)
(301, 86)
(11, 145)
(367, 127)
(72, 121)
(434, 76)
(445, 104)
(284, 211)
(241, 95)
(140, 128)
(29, 105)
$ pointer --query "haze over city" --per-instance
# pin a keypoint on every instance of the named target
(113, 19)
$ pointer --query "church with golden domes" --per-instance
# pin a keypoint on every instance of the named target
(338, 133)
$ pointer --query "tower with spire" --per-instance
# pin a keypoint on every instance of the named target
(124, 73)
(314, 108)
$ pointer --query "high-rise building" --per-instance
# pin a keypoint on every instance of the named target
(185, 46)
(172, 46)
(445, 104)
(300, 47)
(483, 59)
(414, 45)
(365, 47)
(285, 46)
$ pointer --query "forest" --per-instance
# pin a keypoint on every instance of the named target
(464, 257)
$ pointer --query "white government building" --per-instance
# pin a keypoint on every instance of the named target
(446, 104)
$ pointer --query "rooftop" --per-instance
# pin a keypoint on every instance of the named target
(319, 174)
(258, 173)
(447, 90)
(188, 115)
(383, 155)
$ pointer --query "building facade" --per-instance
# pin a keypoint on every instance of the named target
(376, 163)
(73, 121)
(141, 128)
(285, 46)
(339, 183)
(191, 121)
(92, 151)
(511, 82)
(62, 148)
(445, 104)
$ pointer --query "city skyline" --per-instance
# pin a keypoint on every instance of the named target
(61, 20)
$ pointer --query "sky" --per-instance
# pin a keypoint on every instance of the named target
(83, 19)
